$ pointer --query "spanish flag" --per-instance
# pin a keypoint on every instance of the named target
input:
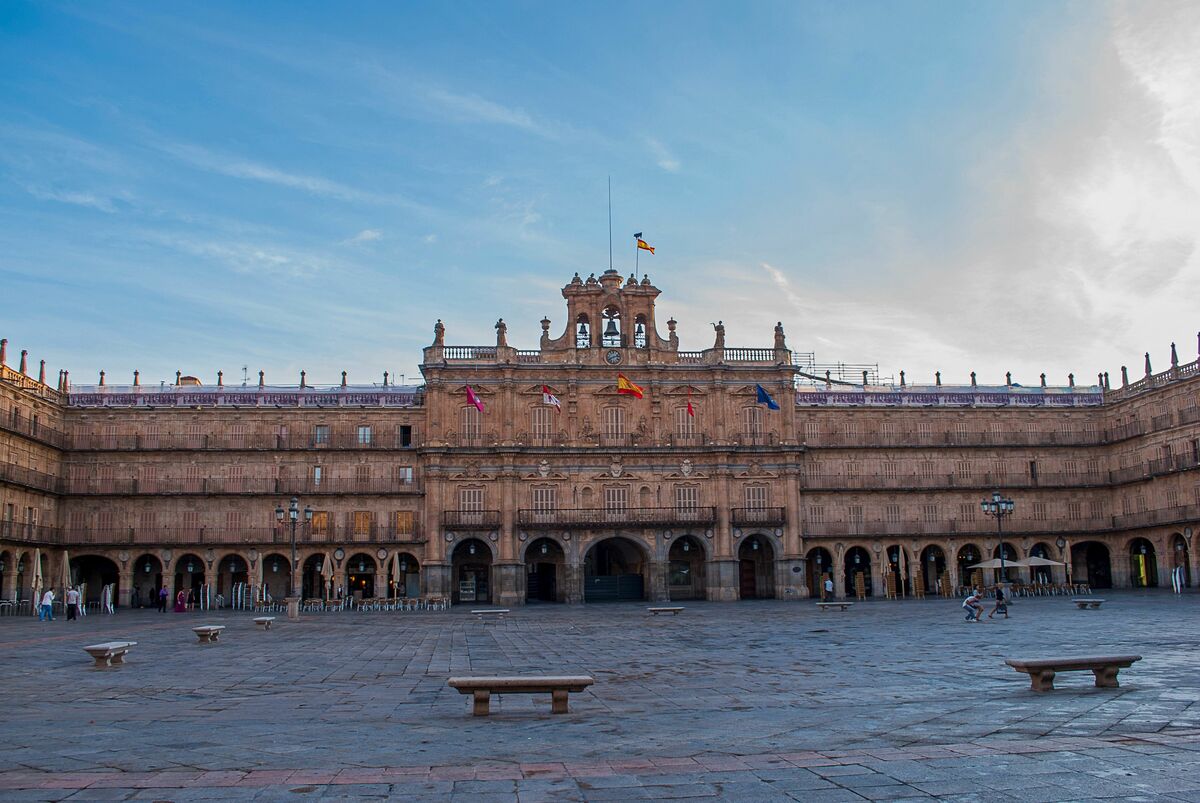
(642, 244)
(625, 386)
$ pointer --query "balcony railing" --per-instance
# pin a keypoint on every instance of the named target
(601, 518)
(29, 478)
(982, 528)
(34, 430)
(334, 439)
(760, 516)
(471, 519)
(173, 486)
(1081, 437)
(199, 536)
(29, 533)
(955, 480)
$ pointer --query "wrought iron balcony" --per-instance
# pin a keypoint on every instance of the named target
(175, 486)
(760, 516)
(471, 519)
(600, 518)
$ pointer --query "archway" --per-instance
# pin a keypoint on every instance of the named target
(858, 571)
(1090, 563)
(545, 571)
(614, 569)
(231, 571)
(7, 572)
(819, 564)
(94, 573)
(1143, 564)
(1010, 555)
(24, 576)
(407, 581)
(471, 571)
(685, 568)
(1181, 563)
(968, 556)
(1043, 575)
(147, 580)
(360, 576)
(313, 584)
(276, 576)
(189, 577)
(756, 568)
(933, 568)
(898, 566)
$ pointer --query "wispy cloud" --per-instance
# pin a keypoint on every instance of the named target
(430, 239)
(364, 236)
(245, 257)
(476, 109)
(663, 157)
(75, 197)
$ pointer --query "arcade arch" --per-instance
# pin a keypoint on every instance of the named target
(819, 565)
(933, 568)
(756, 568)
(361, 572)
(147, 580)
(1090, 563)
(545, 571)
(93, 573)
(471, 571)
(685, 568)
(858, 566)
(1143, 564)
(615, 569)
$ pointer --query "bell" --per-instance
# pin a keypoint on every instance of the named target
(610, 330)
(640, 329)
(583, 330)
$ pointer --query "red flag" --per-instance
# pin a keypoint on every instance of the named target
(474, 400)
(690, 411)
(550, 398)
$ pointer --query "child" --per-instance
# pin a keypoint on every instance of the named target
(973, 606)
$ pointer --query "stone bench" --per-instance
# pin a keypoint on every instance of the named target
(110, 652)
(673, 610)
(824, 606)
(1083, 602)
(208, 633)
(485, 614)
(264, 621)
(1041, 671)
(556, 686)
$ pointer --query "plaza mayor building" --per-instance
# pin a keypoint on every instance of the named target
(605, 464)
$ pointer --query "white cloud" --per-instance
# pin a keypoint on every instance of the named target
(364, 236)
(245, 257)
(663, 157)
(473, 108)
(430, 239)
(75, 197)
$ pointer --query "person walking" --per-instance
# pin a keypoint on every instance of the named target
(1001, 605)
(828, 588)
(46, 611)
(162, 599)
(72, 604)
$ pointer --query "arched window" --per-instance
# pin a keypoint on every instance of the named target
(612, 327)
(583, 332)
(639, 332)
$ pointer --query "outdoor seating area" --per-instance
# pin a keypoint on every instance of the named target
(367, 604)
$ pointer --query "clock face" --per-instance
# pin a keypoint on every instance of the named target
(613, 357)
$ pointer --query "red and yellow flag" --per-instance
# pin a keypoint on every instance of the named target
(645, 246)
(625, 386)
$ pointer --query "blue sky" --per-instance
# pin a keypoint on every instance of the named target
(987, 186)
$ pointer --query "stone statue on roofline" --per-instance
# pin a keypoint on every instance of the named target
(501, 333)
(719, 328)
(780, 343)
(439, 333)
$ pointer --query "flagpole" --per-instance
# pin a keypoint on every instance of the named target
(636, 255)
(610, 222)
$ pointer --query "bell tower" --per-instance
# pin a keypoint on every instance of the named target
(609, 320)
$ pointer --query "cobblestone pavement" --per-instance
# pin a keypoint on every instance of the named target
(748, 701)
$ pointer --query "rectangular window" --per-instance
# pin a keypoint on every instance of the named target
(78, 520)
(194, 480)
(752, 426)
(892, 513)
(404, 475)
(233, 521)
(816, 514)
(999, 469)
(614, 424)
(812, 431)
(616, 498)
(1096, 508)
(404, 521)
(321, 435)
(755, 496)
(104, 520)
(963, 469)
(320, 522)
(926, 468)
(687, 497)
(281, 435)
(852, 470)
(850, 430)
(150, 437)
(109, 435)
(545, 498)
(404, 436)
(236, 478)
(362, 522)
(470, 425)
(237, 436)
(542, 425)
(1172, 497)
(1074, 511)
(195, 436)
(470, 499)
(1039, 511)
(362, 475)
(190, 519)
(1071, 468)
(685, 425)
(966, 511)
(890, 469)
(364, 435)
(812, 468)
(147, 521)
(317, 475)
(923, 433)
(930, 513)
(855, 513)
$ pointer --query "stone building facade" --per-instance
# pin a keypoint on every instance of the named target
(696, 490)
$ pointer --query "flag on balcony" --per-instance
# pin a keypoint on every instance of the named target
(627, 387)
(550, 398)
(691, 412)
(763, 398)
(474, 401)
(642, 244)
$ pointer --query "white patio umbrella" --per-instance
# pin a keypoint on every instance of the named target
(396, 575)
(37, 578)
(994, 563)
(65, 574)
(327, 575)
(1038, 561)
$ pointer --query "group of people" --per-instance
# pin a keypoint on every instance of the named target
(74, 603)
(973, 604)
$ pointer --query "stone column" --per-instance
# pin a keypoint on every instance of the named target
(790, 579)
(838, 570)
(572, 582)
(125, 579)
(725, 585)
(435, 578)
(657, 591)
(507, 581)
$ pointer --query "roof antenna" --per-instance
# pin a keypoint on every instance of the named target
(610, 267)
(245, 375)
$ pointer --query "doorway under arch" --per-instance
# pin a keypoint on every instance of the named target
(614, 569)
(1090, 563)
(1010, 555)
(94, 573)
(276, 576)
(545, 571)
(312, 584)
(858, 566)
(407, 581)
(899, 566)
(685, 568)
(1181, 563)
(147, 580)
(189, 576)
(933, 568)
(1143, 564)
(756, 568)
(360, 576)
(819, 565)
(232, 569)
(471, 567)
(968, 556)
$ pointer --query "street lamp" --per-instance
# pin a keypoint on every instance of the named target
(292, 513)
(999, 507)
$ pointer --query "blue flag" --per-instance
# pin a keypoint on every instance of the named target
(765, 398)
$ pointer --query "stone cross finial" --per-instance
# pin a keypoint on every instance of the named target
(343, 379)
(1070, 380)
(937, 376)
(1008, 377)
(901, 379)
(385, 379)
(864, 378)
(1174, 357)
(1148, 372)
(303, 384)
(178, 375)
(261, 379)
(973, 384)
(1043, 379)
(1107, 384)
